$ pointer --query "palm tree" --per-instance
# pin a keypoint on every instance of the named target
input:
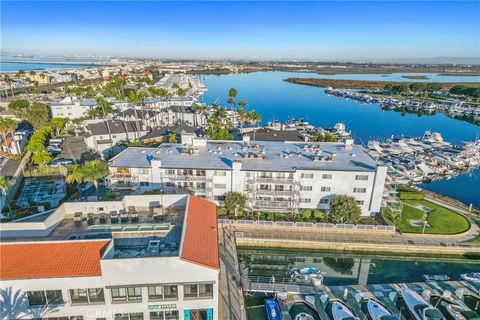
(105, 106)
(94, 171)
(75, 176)
(242, 114)
(254, 118)
(5, 184)
(8, 80)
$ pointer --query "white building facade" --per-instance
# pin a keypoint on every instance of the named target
(72, 108)
(115, 278)
(275, 176)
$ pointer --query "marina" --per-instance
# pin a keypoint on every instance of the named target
(365, 287)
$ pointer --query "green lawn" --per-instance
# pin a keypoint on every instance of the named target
(441, 219)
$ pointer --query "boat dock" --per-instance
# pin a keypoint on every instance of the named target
(319, 298)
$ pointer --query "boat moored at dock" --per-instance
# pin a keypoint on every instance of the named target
(419, 308)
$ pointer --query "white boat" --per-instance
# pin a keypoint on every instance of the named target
(378, 311)
(460, 313)
(304, 273)
(472, 276)
(436, 277)
(419, 308)
(340, 311)
(304, 316)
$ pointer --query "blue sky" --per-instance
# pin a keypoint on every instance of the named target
(245, 30)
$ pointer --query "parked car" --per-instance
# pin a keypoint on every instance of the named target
(61, 162)
(53, 150)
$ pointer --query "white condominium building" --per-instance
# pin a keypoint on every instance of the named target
(72, 108)
(145, 257)
(274, 175)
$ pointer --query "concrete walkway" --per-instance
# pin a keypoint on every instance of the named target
(231, 299)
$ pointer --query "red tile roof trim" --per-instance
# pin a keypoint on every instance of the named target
(200, 242)
(51, 259)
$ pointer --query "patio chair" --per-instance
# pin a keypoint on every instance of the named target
(134, 217)
(113, 217)
(91, 219)
(77, 217)
(123, 217)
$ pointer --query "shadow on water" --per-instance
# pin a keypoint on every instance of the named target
(472, 302)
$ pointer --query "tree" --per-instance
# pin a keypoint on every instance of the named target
(37, 115)
(19, 107)
(58, 124)
(42, 158)
(235, 202)
(254, 118)
(344, 209)
(172, 138)
(75, 176)
(393, 216)
(93, 171)
(5, 184)
(232, 94)
(324, 137)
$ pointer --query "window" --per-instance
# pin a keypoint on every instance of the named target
(219, 185)
(202, 290)
(279, 187)
(54, 296)
(359, 190)
(119, 294)
(162, 292)
(164, 315)
(134, 293)
(114, 135)
(95, 295)
(307, 175)
(36, 298)
(143, 170)
(78, 296)
(219, 198)
(325, 189)
(170, 171)
(205, 290)
(190, 291)
(281, 175)
(305, 200)
(307, 188)
(220, 173)
(362, 177)
(92, 295)
(360, 202)
(324, 201)
(129, 316)
(327, 176)
(144, 183)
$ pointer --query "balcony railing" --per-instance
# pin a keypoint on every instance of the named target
(290, 193)
(276, 180)
(185, 177)
(123, 185)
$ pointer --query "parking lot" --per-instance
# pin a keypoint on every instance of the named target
(76, 149)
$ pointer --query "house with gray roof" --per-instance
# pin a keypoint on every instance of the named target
(72, 108)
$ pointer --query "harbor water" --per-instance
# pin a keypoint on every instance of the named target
(352, 269)
(275, 99)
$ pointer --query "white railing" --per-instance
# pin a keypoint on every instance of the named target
(308, 226)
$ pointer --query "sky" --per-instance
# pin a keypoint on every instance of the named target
(369, 31)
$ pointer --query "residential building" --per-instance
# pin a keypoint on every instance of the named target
(68, 264)
(163, 134)
(14, 142)
(72, 108)
(179, 114)
(102, 136)
(274, 175)
(148, 118)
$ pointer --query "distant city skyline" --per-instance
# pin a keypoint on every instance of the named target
(424, 32)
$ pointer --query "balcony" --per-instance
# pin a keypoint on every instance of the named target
(274, 180)
(185, 177)
(123, 185)
(274, 205)
(273, 193)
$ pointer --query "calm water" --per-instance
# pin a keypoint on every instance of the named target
(276, 99)
(431, 77)
(350, 269)
(7, 67)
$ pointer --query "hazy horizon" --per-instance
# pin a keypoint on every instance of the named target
(378, 32)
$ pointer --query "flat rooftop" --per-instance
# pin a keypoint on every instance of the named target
(275, 156)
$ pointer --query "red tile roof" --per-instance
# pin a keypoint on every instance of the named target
(51, 259)
(200, 243)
